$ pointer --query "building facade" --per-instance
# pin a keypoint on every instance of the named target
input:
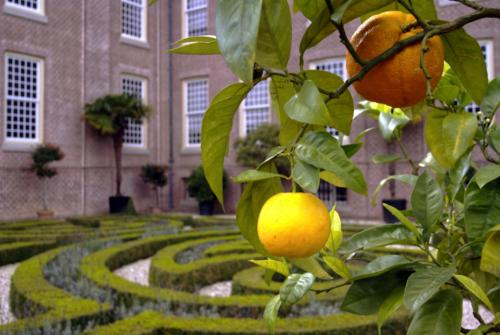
(56, 56)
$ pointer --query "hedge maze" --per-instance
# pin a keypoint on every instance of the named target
(65, 282)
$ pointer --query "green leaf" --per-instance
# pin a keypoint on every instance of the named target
(390, 305)
(308, 106)
(465, 57)
(427, 201)
(323, 151)
(306, 175)
(321, 27)
(494, 139)
(197, 45)
(403, 219)
(281, 91)
(273, 265)
(389, 122)
(404, 178)
(295, 287)
(424, 283)
(382, 265)
(237, 26)
(425, 9)
(254, 175)
(457, 174)
(310, 264)
(275, 34)
(338, 266)
(335, 238)
(491, 100)
(482, 209)
(458, 134)
(487, 174)
(271, 312)
(440, 315)
(351, 149)
(376, 237)
(310, 8)
(490, 260)
(385, 158)
(475, 289)
(251, 201)
(273, 153)
(365, 296)
(341, 109)
(215, 133)
(331, 178)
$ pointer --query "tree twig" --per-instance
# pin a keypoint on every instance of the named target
(421, 22)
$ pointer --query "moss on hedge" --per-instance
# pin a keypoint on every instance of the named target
(238, 246)
(19, 251)
(152, 323)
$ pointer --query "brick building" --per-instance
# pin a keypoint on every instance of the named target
(57, 55)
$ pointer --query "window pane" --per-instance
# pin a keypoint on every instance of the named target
(196, 104)
(256, 107)
(30, 4)
(196, 17)
(22, 100)
(134, 133)
(132, 17)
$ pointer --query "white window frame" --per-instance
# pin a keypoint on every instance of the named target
(22, 143)
(312, 66)
(185, 13)
(144, 21)
(144, 99)
(446, 2)
(243, 110)
(185, 121)
(26, 12)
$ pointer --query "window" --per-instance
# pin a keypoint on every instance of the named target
(335, 66)
(23, 98)
(134, 19)
(195, 17)
(195, 104)
(331, 195)
(134, 134)
(255, 108)
(31, 5)
(487, 49)
(446, 2)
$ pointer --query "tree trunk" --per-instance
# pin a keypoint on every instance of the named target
(118, 145)
(44, 193)
(157, 193)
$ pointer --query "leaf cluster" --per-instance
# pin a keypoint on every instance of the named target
(198, 188)
(42, 156)
(154, 174)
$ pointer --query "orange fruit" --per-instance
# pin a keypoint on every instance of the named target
(399, 80)
(293, 225)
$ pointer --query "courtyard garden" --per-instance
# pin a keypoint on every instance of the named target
(161, 274)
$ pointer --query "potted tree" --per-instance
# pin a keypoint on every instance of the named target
(199, 189)
(156, 175)
(43, 155)
(391, 122)
(109, 115)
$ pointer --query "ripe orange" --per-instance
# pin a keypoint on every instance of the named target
(293, 225)
(399, 80)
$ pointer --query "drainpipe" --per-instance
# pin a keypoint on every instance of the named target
(158, 86)
(170, 112)
(83, 128)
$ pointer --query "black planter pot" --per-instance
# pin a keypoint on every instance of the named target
(397, 203)
(206, 208)
(121, 205)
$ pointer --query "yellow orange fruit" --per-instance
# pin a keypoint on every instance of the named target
(293, 225)
(399, 80)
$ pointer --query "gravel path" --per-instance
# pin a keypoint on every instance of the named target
(137, 272)
(221, 289)
(469, 321)
(6, 273)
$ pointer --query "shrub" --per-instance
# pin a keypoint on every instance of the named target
(198, 187)
(156, 175)
(43, 155)
(254, 148)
